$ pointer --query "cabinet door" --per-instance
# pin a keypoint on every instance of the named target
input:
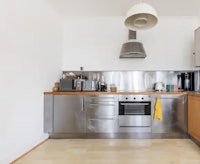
(197, 47)
(174, 111)
(194, 116)
(69, 115)
(48, 113)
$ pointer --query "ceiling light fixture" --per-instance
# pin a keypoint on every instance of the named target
(141, 16)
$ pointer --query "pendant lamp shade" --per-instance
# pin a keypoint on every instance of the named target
(141, 16)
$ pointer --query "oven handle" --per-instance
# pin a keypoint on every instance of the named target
(134, 104)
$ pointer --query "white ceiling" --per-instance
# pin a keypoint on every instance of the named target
(119, 7)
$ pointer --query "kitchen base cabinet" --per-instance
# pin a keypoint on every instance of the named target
(64, 114)
(101, 113)
(174, 112)
(194, 116)
(48, 113)
(97, 116)
(69, 115)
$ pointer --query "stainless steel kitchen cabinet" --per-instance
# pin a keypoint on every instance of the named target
(174, 111)
(101, 113)
(48, 113)
(197, 47)
(69, 114)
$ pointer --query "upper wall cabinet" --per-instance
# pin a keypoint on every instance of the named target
(197, 47)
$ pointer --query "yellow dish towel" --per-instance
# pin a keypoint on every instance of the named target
(158, 110)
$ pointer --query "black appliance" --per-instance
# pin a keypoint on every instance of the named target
(186, 81)
(67, 84)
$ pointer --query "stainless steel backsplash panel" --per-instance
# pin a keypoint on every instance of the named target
(137, 80)
(197, 81)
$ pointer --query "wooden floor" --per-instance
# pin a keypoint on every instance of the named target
(114, 151)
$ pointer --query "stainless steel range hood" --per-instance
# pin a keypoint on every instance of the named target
(132, 48)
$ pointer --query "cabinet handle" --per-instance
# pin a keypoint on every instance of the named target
(83, 105)
(135, 103)
(103, 104)
(100, 119)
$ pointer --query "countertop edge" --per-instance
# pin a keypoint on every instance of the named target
(194, 94)
(115, 93)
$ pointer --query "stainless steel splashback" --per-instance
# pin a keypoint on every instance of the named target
(197, 81)
(137, 80)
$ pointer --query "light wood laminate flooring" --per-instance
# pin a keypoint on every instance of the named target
(114, 151)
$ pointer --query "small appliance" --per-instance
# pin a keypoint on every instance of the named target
(159, 86)
(67, 84)
(187, 81)
(90, 85)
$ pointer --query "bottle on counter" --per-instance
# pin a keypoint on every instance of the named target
(56, 87)
(179, 82)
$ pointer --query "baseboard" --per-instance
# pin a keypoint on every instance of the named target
(13, 162)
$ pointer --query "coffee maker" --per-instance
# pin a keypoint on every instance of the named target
(102, 86)
(186, 81)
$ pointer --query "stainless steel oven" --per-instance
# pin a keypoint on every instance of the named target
(135, 111)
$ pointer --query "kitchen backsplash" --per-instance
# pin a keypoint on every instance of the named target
(138, 80)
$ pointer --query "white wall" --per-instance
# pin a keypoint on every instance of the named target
(30, 63)
(95, 43)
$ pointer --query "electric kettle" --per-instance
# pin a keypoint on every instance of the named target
(159, 86)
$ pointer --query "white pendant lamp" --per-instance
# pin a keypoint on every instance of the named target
(141, 16)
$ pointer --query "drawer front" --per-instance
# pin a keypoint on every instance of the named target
(97, 110)
(102, 125)
(134, 121)
(101, 98)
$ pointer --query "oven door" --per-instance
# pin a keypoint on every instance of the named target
(134, 108)
(134, 114)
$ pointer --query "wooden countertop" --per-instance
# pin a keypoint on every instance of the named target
(118, 93)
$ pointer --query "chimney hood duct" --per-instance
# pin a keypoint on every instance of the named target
(132, 48)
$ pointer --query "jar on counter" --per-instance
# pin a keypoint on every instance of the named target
(56, 87)
(113, 88)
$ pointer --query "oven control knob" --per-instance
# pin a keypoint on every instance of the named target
(126, 98)
(142, 98)
(134, 98)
